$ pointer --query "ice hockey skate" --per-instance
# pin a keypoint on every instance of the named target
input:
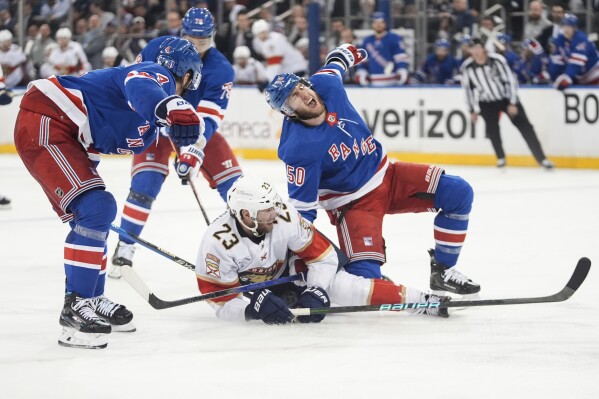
(118, 316)
(123, 255)
(4, 202)
(81, 326)
(449, 279)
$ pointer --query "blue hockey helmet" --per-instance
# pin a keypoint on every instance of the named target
(504, 38)
(180, 56)
(280, 89)
(379, 15)
(198, 22)
(465, 39)
(569, 20)
(442, 43)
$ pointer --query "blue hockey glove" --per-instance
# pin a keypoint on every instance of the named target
(5, 96)
(188, 163)
(268, 307)
(186, 125)
(347, 54)
(313, 297)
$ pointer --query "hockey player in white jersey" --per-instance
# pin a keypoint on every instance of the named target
(12, 60)
(67, 58)
(262, 238)
(280, 55)
(248, 71)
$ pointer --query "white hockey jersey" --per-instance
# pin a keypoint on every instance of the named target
(280, 55)
(68, 61)
(13, 65)
(253, 72)
(228, 257)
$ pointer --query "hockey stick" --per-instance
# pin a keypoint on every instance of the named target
(192, 185)
(580, 273)
(137, 283)
(152, 247)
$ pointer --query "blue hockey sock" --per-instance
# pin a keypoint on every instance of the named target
(145, 186)
(223, 187)
(365, 268)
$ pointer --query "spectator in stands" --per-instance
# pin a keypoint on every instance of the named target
(575, 60)
(552, 32)
(67, 58)
(299, 30)
(173, 24)
(39, 50)
(439, 66)
(248, 71)
(273, 24)
(387, 63)
(337, 27)
(463, 18)
(12, 60)
(96, 7)
(7, 21)
(280, 55)
(93, 42)
(55, 11)
(536, 20)
(138, 39)
(239, 35)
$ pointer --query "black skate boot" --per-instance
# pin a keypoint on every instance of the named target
(118, 316)
(433, 311)
(449, 279)
(123, 255)
(4, 202)
(81, 327)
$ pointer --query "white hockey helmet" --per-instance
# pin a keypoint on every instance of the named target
(253, 195)
(242, 52)
(110, 52)
(5, 36)
(64, 33)
(260, 26)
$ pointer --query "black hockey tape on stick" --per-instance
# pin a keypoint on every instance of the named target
(152, 247)
(580, 273)
(141, 287)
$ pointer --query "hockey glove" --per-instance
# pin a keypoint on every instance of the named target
(186, 125)
(188, 163)
(5, 96)
(562, 82)
(268, 307)
(347, 54)
(313, 297)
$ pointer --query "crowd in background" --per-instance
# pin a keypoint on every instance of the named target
(75, 36)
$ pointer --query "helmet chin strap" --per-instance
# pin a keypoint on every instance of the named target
(254, 229)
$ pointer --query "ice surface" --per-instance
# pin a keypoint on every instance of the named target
(528, 228)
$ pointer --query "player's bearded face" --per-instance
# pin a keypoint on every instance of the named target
(305, 102)
(265, 219)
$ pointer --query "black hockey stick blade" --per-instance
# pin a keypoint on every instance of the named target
(580, 273)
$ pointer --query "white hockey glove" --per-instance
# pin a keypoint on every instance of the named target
(402, 76)
(347, 54)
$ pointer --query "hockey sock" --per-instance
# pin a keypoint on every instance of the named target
(102, 275)
(84, 248)
(365, 268)
(224, 186)
(454, 197)
(384, 291)
(145, 186)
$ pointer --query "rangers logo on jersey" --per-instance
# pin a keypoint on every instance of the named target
(131, 143)
(143, 128)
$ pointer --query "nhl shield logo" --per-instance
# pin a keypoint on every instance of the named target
(331, 118)
(59, 192)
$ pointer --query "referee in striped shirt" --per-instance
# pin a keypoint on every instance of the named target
(491, 87)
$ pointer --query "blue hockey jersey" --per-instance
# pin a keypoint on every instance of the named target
(212, 97)
(386, 58)
(333, 163)
(576, 58)
(113, 107)
(436, 71)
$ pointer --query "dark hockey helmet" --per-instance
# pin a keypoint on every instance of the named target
(279, 90)
(180, 56)
(198, 22)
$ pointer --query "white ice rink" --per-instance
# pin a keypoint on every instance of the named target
(528, 228)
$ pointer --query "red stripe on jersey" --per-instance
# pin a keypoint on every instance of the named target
(274, 60)
(208, 286)
(104, 262)
(76, 100)
(80, 255)
(319, 247)
(210, 111)
(383, 291)
(135, 214)
(450, 237)
(329, 196)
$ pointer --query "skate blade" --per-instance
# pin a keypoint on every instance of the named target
(71, 338)
(125, 328)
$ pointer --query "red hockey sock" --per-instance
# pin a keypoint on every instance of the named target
(384, 291)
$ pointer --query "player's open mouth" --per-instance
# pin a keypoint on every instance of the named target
(312, 103)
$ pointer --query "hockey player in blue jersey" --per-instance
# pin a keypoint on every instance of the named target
(575, 59)
(439, 66)
(531, 67)
(387, 63)
(346, 172)
(219, 167)
(64, 123)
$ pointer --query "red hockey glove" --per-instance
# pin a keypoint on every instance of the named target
(186, 126)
